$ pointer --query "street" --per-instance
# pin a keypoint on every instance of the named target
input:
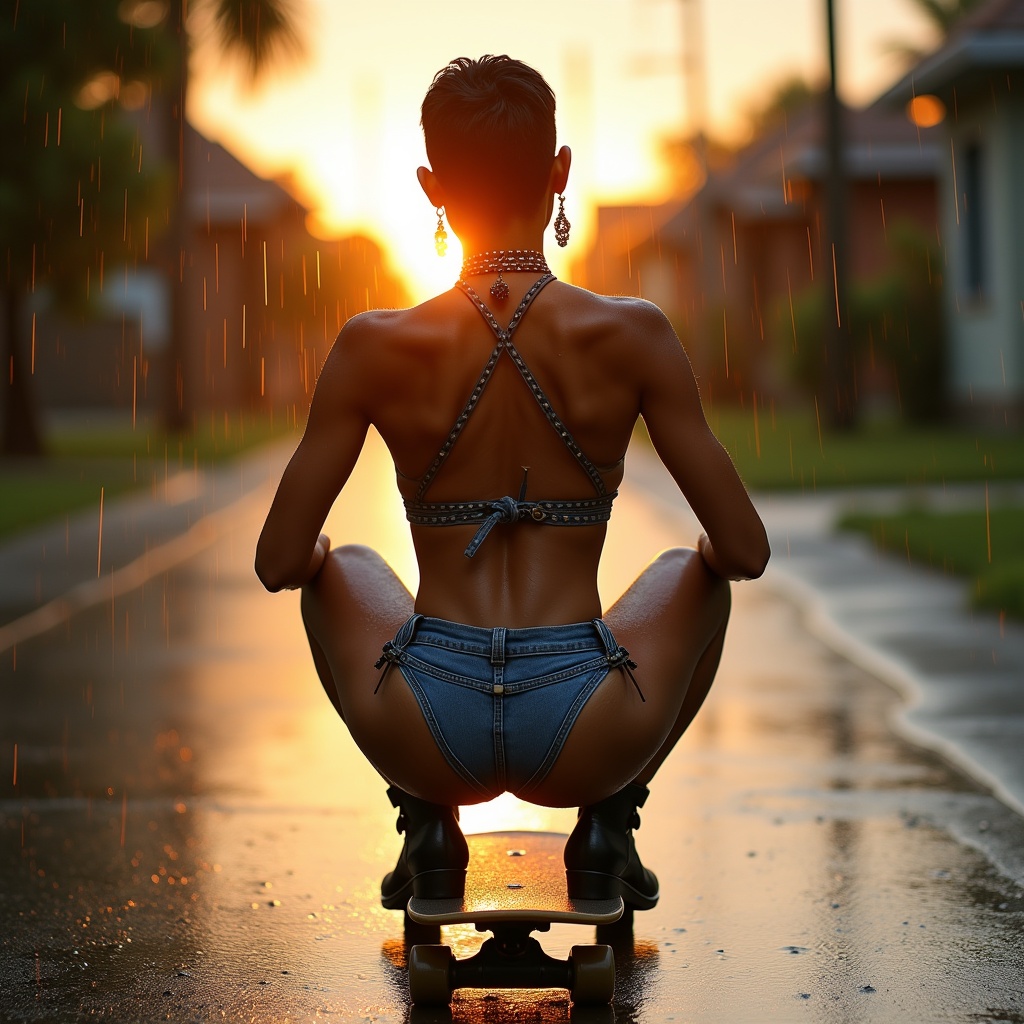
(188, 833)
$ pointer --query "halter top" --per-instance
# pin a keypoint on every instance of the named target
(508, 509)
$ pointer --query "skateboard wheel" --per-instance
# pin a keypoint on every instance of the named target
(430, 975)
(593, 974)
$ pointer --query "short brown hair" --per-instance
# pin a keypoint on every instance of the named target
(489, 127)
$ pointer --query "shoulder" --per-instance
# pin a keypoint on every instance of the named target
(376, 329)
(621, 309)
(366, 338)
(368, 328)
(636, 323)
(375, 347)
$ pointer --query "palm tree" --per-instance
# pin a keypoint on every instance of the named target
(262, 33)
(60, 123)
(942, 16)
(74, 194)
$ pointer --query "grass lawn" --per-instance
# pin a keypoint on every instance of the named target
(784, 451)
(116, 458)
(988, 548)
(787, 451)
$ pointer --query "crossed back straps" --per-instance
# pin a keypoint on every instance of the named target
(508, 509)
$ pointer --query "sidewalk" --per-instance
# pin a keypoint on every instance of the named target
(960, 672)
(50, 572)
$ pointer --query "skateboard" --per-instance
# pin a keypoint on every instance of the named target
(515, 886)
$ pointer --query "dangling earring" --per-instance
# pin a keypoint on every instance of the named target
(562, 224)
(440, 235)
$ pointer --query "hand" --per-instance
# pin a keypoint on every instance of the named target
(316, 561)
(320, 552)
(707, 552)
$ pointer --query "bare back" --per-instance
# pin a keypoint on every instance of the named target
(600, 361)
(527, 573)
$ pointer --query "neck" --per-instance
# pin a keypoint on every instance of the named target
(478, 247)
(524, 234)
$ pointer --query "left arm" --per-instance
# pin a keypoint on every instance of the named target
(291, 548)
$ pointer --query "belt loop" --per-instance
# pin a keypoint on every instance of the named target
(498, 645)
(405, 634)
(610, 646)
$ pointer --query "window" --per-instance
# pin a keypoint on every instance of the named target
(974, 221)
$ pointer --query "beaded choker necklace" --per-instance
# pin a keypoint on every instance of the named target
(507, 260)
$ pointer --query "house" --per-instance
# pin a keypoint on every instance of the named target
(978, 77)
(263, 302)
(729, 264)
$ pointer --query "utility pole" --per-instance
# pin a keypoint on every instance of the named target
(695, 77)
(837, 395)
(177, 393)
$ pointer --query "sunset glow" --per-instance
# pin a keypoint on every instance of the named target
(344, 127)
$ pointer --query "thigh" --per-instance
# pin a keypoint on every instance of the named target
(666, 620)
(355, 604)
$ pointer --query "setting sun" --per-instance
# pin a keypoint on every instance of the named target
(344, 128)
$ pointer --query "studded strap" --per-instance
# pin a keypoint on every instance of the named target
(503, 339)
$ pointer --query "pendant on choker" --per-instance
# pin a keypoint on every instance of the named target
(499, 290)
(501, 260)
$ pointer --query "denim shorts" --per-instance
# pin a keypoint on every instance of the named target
(501, 702)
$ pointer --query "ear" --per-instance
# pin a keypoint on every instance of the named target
(560, 170)
(431, 186)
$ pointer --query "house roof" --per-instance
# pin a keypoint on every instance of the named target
(222, 190)
(989, 39)
(880, 142)
(621, 228)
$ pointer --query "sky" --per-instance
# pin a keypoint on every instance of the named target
(343, 124)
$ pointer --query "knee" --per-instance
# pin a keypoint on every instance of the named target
(713, 592)
(345, 555)
(338, 564)
(344, 560)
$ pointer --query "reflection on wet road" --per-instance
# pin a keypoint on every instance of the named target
(188, 834)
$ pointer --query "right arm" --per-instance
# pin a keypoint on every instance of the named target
(291, 548)
(734, 545)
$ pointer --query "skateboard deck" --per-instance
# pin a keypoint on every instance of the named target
(515, 885)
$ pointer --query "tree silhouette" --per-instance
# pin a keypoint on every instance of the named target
(261, 33)
(788, 96)
(78, 195)
(942, 15)
(75, 189)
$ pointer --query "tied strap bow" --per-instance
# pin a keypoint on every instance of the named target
(506, 510)
(621, 659)
(391, 654)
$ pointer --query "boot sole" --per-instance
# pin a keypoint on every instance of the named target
(443, 884)
(596, 885)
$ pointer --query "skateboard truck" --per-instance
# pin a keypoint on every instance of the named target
(512, 911)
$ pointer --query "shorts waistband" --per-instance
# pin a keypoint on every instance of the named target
(499, 642)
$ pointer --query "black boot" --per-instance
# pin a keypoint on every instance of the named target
(601, 861)
(432, 864)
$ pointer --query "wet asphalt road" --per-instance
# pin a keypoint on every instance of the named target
(187, 833)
